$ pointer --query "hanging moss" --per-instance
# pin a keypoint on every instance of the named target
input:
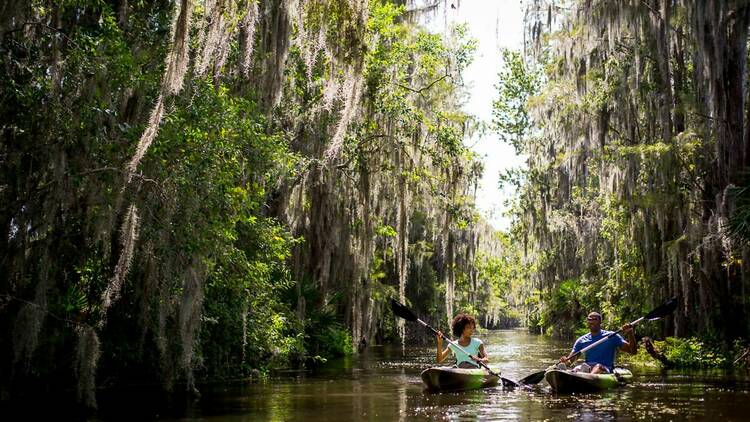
(194, 189)
(628, 170)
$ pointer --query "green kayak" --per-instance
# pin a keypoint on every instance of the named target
(573, 382)
(449, 378)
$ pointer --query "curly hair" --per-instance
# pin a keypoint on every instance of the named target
(460, 322)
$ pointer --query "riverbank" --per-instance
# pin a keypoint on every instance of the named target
(689, 353)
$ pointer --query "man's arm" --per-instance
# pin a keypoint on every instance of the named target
(569, 358)
(630, 345)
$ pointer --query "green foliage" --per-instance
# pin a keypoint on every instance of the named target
(334, 341)
(324, 336)
(213, 150)
(386, 231)
(565, 308)
(640, 359)
(500, 278)
(692, 353)
(519, 82)
(683, 353)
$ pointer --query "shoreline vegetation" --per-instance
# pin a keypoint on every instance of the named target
(688, 353)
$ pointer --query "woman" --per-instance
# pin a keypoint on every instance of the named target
(463, 326)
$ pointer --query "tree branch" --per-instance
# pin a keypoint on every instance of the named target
(43, 25)
(426, 87)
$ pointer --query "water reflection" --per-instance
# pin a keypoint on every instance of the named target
(384, 384)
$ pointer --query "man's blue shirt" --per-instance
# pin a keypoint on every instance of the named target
(603, 353)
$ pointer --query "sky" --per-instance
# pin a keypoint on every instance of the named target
(495, 24)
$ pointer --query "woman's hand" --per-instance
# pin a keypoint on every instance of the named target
(478, 359)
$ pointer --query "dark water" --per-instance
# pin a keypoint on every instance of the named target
(384, 385)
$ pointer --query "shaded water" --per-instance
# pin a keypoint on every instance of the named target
(384, 385)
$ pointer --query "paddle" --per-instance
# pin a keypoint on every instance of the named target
(402, 311)
(659, 312)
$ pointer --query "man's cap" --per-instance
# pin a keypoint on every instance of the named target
(593, 315)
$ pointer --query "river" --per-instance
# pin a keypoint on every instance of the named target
(384, 384)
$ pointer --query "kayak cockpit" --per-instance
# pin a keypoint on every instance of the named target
(565, 381)
(450, 378)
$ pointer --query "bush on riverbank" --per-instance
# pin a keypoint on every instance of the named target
(690, 352)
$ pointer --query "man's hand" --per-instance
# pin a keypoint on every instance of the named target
(632, 345)
(564, 360)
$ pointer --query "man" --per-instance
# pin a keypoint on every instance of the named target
(601, 359)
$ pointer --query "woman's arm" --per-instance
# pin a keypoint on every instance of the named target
(441, 354)
(482, 355)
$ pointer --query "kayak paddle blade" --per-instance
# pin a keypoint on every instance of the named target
(532, 379)
(508, 383)
(402, 311)
(663, 310)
